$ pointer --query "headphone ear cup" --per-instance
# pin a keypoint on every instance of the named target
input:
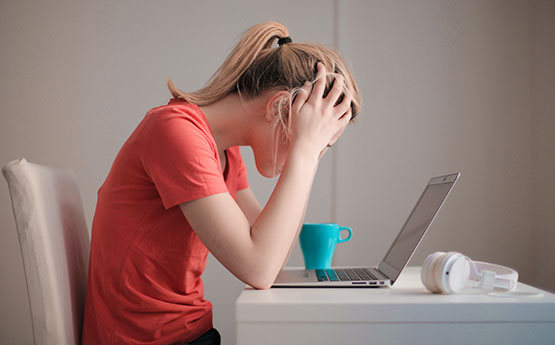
(427, 272)
(439, 270)
(457, 274)
(452, 272)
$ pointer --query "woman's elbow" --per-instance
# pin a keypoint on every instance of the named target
(261, 286)
(260, 280)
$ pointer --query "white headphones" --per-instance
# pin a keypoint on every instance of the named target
(451, 272)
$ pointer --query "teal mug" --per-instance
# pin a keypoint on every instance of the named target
(318, 242)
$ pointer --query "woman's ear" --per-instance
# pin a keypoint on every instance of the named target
(277, 101)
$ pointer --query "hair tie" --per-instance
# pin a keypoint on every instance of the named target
(284, 40)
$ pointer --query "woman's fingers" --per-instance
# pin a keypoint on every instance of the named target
(335, 91)
(319, 85)
(342, 124)
(302, 96)
(343, 107)
(344, 121)
(318, 122)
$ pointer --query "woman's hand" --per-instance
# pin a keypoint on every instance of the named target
(317, 122)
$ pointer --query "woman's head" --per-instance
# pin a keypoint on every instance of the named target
(258, 65)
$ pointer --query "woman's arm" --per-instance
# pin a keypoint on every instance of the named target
(256, 253)
(249, 205)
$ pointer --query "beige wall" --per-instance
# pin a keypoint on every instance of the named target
(543, 111)
(448, 86)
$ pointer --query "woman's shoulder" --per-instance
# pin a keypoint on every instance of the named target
(177, 107)
(176, 122)
(179, 114)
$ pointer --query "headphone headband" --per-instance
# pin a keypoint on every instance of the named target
(496, 276)
(451, 272)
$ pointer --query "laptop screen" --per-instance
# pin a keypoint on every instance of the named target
(416, 225)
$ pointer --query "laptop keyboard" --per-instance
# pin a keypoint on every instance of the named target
(345, 274)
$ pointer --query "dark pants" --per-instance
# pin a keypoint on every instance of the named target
(212, 337)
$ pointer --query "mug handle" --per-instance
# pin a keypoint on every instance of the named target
(340, 240)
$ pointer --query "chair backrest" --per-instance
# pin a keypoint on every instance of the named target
(55, 245)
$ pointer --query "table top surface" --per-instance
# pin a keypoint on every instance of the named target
(406, 299)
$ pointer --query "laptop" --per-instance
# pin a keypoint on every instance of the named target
(396, 258)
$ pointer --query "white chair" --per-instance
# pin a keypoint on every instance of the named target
(55, 245)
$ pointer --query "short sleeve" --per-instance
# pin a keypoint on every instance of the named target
(181, 159)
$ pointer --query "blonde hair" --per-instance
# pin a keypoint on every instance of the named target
(254, 67)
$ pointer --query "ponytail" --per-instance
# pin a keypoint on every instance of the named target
(256, 39)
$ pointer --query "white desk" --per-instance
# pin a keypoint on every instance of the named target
(403, 314)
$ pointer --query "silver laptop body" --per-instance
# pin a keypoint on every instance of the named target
(396, 257)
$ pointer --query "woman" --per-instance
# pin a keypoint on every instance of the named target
(178, 188)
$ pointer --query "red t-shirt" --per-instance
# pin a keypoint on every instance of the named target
(144, 284)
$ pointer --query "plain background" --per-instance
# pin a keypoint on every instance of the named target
(448, 86)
